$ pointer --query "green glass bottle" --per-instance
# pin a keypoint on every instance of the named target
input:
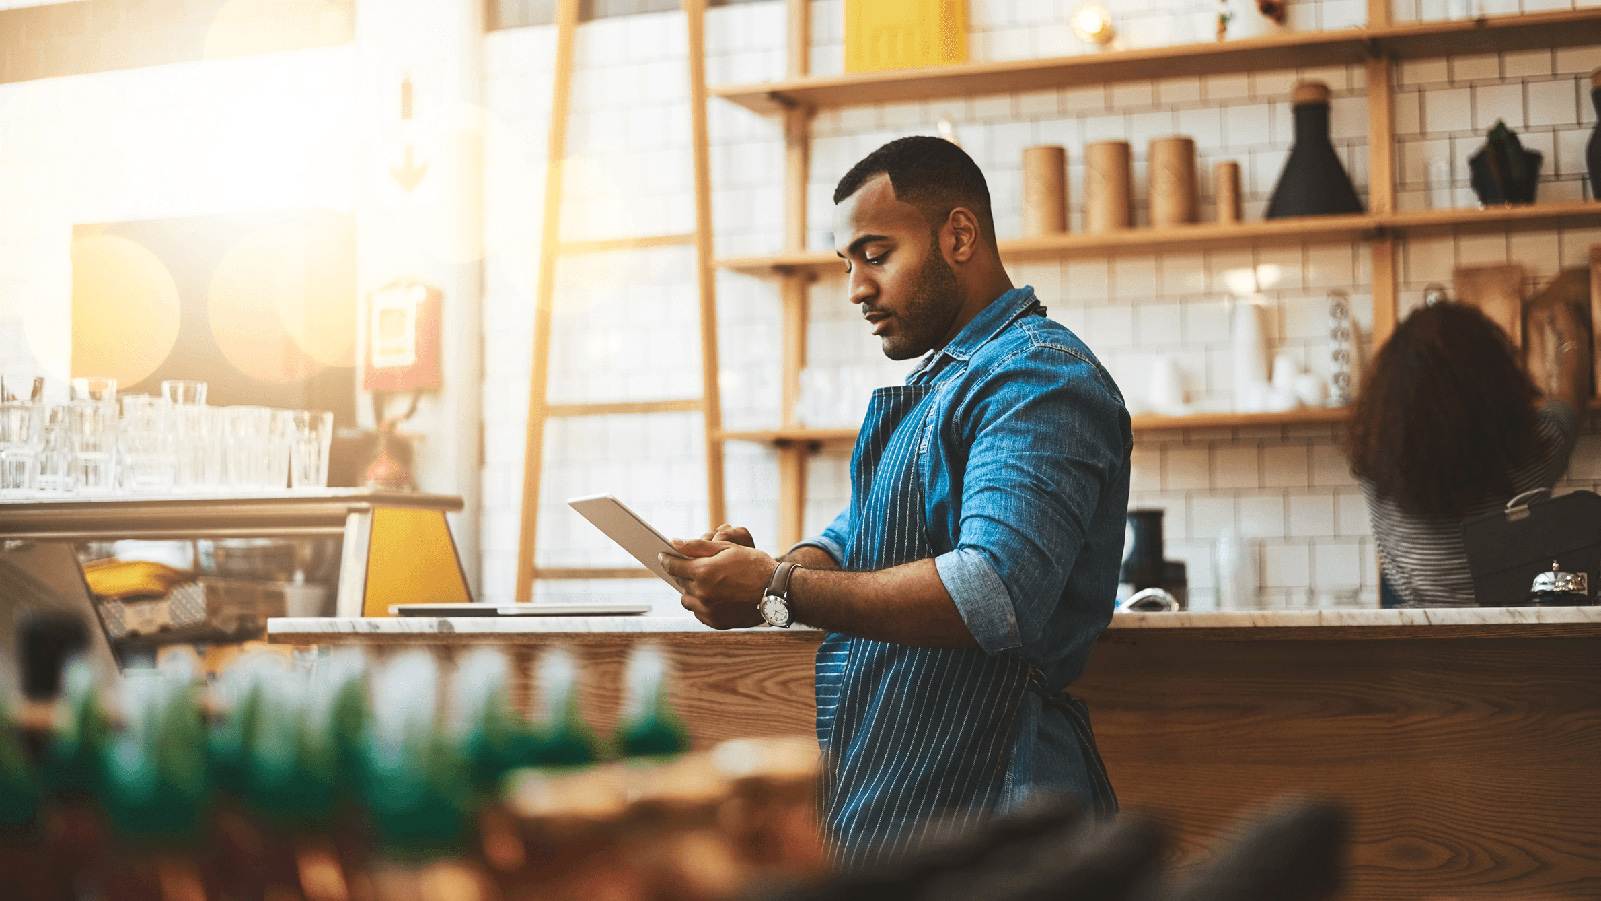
(564, 739)
(416, 787)
(649, 727)
(155, 776)
(493, 739)
(20, 788)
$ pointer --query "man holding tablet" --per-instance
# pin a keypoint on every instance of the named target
(964, 587)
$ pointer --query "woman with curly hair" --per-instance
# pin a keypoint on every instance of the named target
(1447, 426)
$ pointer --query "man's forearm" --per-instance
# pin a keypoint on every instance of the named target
(906, 604)
(810, 556)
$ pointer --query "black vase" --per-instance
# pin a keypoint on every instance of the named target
(1503, 170)
(1314, 181)
(1592, 152)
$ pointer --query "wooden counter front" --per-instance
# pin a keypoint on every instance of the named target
(1467, 744)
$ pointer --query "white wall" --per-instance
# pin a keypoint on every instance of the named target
(284, 131)
(1288, 487)
(255, 133)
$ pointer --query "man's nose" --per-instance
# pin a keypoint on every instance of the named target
(860, 287)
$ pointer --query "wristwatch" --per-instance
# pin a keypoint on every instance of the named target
(774, 605)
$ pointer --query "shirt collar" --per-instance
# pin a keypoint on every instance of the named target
(997, 315)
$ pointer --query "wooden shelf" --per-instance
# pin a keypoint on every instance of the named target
(1563, 28)
(1304, 416)
(1209, 236)
(834, 438)
(1203, 236)
(1518, 217)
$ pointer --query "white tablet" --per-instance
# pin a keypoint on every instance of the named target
(632, 533)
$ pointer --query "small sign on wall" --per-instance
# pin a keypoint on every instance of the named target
(403, 335)
(904, 34)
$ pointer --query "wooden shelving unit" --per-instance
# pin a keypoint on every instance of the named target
(1382, 229)
(1563, 28)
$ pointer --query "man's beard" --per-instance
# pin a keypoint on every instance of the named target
(936, 297)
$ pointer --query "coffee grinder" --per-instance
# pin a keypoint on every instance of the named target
(1144, 561)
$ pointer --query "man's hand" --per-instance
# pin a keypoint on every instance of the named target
(737, 534)
(724, 578)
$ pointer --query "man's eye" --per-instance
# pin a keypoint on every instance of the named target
(874, 261)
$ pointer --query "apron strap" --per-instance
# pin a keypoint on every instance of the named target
(1103, 799)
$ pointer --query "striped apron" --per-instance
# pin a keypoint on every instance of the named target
(918, 741)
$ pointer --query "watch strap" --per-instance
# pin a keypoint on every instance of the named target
(779, 587)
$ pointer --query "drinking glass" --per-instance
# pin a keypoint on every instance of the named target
(94, 455)
(149, 444)
(247, 447)
(21, 386)
(308, 453)
(19, 447)
(183, 391)
(283, 442)
(200, 446)
(95, 389)
(57, 446)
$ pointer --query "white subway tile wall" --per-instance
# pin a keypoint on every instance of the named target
(1288, 488)
(1444, 108)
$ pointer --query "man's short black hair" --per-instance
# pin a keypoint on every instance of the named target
(929, 173)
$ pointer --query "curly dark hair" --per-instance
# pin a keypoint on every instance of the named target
(1445, 415)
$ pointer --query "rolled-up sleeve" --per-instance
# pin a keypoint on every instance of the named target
(833, 539)
(981, 598)
(1043, 444)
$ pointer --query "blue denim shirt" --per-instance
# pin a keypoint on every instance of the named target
(1025, 485)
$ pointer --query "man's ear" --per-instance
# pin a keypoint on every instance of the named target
(962, 235)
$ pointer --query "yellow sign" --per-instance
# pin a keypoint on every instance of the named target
(904, 34)
(412, 560)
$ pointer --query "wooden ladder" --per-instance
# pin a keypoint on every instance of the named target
(552, 249)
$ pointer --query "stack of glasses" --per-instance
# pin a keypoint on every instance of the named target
(173, 444)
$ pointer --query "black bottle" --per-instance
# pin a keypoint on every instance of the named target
(1592, 152)
(1314, 181)
(1144, 557)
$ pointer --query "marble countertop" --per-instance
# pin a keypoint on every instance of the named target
(1421, 622)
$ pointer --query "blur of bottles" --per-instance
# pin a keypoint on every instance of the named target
(354, 781)
(351, 782)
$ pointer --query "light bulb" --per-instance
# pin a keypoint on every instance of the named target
(1093, 24)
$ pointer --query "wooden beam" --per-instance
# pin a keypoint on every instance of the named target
(793, 294)
(791, 495)
(544, 294)
(1381, 137)
(800, 37)
(1386, 291)
(705, 269)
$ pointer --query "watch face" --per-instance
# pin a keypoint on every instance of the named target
(775, 611)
